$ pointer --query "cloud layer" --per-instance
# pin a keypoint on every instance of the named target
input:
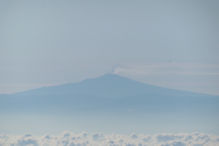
(196, 77)
(85, 139)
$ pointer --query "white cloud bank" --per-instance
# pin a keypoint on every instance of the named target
(85, 139)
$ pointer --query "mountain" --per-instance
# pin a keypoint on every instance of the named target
(109, 92)
(109, 103)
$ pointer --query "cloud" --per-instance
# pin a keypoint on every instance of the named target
(196, 77)
(168, 68)
(85, 139)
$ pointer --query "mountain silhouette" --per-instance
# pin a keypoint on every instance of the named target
(109, 92)
(109, 103)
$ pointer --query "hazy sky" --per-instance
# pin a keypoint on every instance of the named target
(47, 42)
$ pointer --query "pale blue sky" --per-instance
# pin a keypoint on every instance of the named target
(47, 42)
